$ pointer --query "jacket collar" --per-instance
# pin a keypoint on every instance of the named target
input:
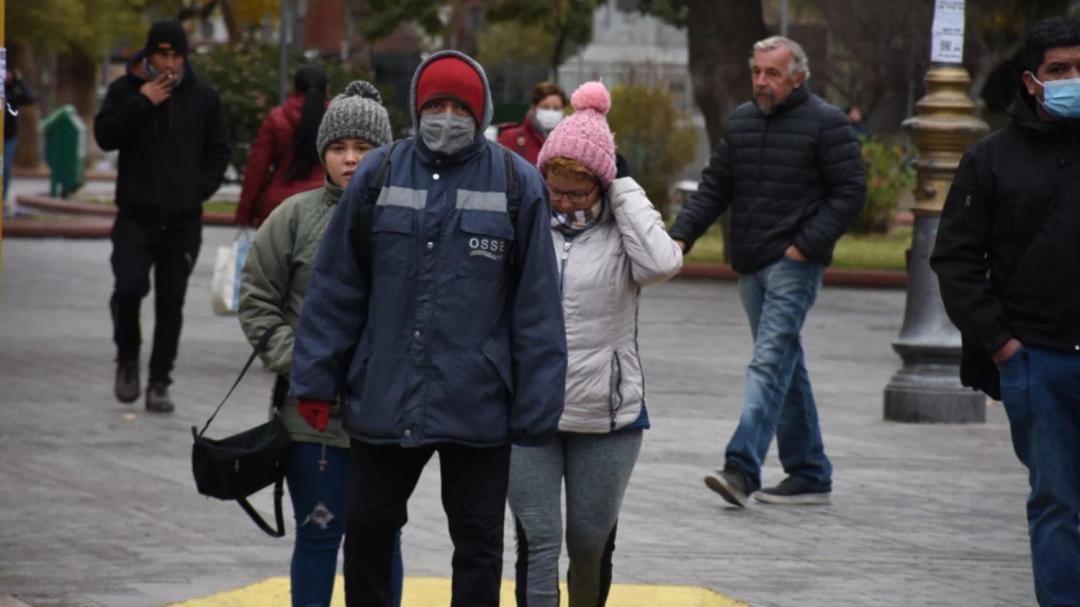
(1023, 114)
(332, 192)
(431, 157)
(796, 98)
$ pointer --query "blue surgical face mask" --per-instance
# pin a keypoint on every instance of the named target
(1061, 98)
(447, 133)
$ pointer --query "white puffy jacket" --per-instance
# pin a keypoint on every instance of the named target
(602, 271)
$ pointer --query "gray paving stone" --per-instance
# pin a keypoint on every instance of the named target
(97, 504)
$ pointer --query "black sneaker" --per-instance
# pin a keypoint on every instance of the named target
(795, 490)
(126, 386)
(730, 485)
(157, 398)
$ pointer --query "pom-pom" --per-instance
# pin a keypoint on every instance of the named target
(591, 96)
(363, 88)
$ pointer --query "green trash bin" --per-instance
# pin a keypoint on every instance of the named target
(65, 151)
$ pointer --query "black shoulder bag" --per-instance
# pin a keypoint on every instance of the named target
(237, 466)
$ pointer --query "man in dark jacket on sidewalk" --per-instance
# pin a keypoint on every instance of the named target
(453, 343)
(789, 169)
(170, 131)
(1007, 258)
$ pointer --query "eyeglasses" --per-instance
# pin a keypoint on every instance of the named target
(574, 197)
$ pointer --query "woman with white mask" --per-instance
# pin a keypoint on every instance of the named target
(547, 110)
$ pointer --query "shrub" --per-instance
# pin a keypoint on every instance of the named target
(655, 139)
(887, 176)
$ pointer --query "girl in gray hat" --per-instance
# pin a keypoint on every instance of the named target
(274, 282)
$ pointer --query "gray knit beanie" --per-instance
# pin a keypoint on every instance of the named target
(357, 113)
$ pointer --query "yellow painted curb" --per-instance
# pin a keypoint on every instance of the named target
(435, 592)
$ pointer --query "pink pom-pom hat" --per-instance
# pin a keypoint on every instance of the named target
(585, 135)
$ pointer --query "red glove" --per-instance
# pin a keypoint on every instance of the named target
(315, 412)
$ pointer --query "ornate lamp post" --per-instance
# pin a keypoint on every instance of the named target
(927, 387)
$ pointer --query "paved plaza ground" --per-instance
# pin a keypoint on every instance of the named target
(98, 507)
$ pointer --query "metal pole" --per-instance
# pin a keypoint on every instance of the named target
(284, 36)
(927, 387)
(784, 18)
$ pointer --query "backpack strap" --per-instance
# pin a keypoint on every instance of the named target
(513, 203)
(513, 187)
(366, 216)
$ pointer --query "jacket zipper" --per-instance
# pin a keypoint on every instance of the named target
(761, 157)
(567, 244)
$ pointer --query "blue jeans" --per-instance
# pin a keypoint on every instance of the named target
(779, 400)
(1041, 392)
(318, 498)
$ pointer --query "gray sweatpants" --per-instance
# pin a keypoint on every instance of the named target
(596, 468)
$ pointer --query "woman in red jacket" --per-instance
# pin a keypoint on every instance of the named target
(283, 160)
(548, 101)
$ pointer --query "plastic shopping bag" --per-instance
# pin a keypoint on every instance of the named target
(225, 285)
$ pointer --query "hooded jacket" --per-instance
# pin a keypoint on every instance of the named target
(792, 177)
(172, 156)
(266, 182)
(1007, 253)
(459, 337)
(602, 271)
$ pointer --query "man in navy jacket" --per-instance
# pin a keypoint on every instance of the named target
(453, 343)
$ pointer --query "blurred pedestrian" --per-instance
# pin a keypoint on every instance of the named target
(17, 94)
(1008, 264)
(451, 340)
(546, 110)
(275, 281)
(609, 236)
(283, 159)
(170, 131)
(855, 117)
(788, 167)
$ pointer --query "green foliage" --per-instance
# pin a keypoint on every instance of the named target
(385, 15)
(654, 138)
(87, 27)
(671, 11)
(887, 175)
(568, 22)
(853, 251)
(246, 77)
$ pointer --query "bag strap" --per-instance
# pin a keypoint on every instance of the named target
(279, 520)
(255, 352)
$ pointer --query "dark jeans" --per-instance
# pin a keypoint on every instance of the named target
(317, 475)
(171, 252)
(381, 479)
(1041, 392)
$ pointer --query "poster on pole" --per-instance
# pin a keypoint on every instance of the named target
(947, 39)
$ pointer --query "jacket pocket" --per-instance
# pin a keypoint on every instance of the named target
(499, 358)
(484, 244)
(392, 240)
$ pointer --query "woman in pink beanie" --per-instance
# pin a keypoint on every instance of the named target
(610, 242)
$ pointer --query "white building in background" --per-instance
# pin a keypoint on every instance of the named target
(630, 48)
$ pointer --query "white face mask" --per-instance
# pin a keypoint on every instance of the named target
(547, 118)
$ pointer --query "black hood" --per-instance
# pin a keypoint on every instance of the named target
(1022, 111)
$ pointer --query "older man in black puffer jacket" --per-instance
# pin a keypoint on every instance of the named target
(789, 169)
